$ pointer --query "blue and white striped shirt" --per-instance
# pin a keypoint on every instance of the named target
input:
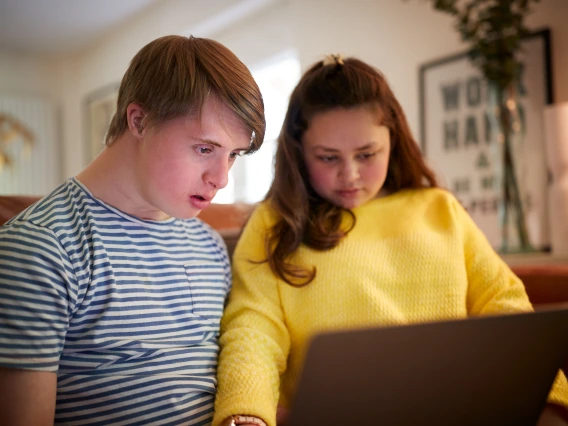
(126, 311)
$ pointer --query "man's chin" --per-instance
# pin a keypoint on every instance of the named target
(191, 215)
(184, 214)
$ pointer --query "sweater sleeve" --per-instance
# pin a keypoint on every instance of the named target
(254, 338)
(493, 288)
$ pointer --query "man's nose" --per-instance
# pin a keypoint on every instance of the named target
(218, 175)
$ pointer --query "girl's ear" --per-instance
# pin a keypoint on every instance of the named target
(136, 117)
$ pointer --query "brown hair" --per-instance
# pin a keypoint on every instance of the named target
(173, 75)
(304, 217)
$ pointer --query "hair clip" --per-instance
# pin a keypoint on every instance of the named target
(334, 59)
(252, 138)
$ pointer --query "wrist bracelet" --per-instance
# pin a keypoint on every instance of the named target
(238, 420)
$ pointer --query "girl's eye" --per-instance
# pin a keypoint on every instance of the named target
(235, 154)
(366, 155)
(327, 158)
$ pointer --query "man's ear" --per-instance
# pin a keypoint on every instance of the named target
(136, 117)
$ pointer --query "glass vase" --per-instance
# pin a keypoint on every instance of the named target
(508, 151)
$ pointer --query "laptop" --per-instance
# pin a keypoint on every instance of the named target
(494, 370)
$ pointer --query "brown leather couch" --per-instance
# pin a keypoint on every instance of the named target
(545, 284)
(227, 219)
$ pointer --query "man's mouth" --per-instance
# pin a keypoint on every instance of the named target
(200, 202)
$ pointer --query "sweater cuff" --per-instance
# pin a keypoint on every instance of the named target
(559, 392)
(263, 408)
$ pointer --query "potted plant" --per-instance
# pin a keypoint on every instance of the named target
(493, 30)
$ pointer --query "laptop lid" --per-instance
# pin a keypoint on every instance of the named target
(493, 370)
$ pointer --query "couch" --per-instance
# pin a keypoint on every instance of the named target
(227, 219)
(546, 284)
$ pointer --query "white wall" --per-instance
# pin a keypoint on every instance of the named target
(27, 81)
(256, 40)
(394, 35)
(397, 36)
(554, 14)
(28, 74)
(106, 62)
(261, 36)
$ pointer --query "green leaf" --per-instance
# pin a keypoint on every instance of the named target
(493, 30)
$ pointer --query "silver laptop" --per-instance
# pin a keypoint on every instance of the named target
(494, 370)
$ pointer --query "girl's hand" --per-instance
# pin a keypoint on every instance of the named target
(553, 415)
(243, 421)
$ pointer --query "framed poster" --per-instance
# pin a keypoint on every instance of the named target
(459, 136)
(100, 106)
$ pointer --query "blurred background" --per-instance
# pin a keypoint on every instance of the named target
(61, 62)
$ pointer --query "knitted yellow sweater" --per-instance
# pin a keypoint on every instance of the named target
(413, 256)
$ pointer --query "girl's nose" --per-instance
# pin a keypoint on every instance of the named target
(349, 172)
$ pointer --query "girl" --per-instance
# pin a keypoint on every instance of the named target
(354, 232)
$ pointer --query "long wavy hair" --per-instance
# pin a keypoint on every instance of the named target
(303, 216)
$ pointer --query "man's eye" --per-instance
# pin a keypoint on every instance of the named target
(203, 150)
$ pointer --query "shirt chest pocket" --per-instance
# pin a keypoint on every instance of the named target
(208, 287)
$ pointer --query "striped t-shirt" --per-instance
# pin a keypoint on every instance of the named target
(125, 310)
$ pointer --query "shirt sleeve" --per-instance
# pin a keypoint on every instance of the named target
(493, 288)
(254, 338)
(35, 281)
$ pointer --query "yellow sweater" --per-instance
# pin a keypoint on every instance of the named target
(413, 256)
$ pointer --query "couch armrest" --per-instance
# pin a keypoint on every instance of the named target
(11, 205)
(545, 284)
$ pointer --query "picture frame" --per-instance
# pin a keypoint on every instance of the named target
(99, 108)
(454, 108)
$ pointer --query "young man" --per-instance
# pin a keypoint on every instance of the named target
(111, 291)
